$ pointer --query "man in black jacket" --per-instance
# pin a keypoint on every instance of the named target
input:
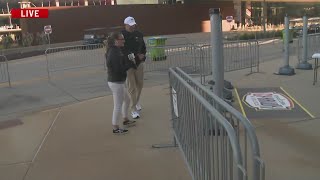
(134, 43)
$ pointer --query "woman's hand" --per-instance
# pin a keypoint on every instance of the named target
(131, 57)
(141, 57)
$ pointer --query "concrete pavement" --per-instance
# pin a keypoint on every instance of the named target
(289, 146)
(65, 88)
(31, 89)
(76, 142)
(62, 129)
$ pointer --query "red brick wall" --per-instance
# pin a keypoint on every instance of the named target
(68, 23)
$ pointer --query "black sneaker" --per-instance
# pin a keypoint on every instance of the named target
(119, 131)
(129, 123)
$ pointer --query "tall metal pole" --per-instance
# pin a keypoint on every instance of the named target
(286, 69)
(8, 9)
(264, 14)
(217, 51)
(286, 41)
(49, 39)
(304, 64)
(304, 38)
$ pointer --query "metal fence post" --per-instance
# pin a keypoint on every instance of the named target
(202, 65)
(217, 51)
(286, 69)
(316, 58)
(258, 53)
(4, 70)
(304, 64)
(47, 60)
(8, 74)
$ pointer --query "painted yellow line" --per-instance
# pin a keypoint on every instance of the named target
(312, 116)
(240, 103)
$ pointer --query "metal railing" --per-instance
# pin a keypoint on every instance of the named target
(237, 55)
(245, 131)
(72, 57)
(161, 58)
(313, 41)
(177, 40)
(208, 142)
(195, 59)
(4, 70)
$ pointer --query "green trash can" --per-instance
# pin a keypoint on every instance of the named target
(157, 51)
(291, 32)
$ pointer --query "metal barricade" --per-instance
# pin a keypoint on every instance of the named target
(208, 142)
(237, 55)
(72, 57)
(161, 58)
(194, 59)
(313, 41)
(177, 40)
(4, 70)
(245, 131)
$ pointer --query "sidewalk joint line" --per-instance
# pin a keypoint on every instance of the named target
(45, 137)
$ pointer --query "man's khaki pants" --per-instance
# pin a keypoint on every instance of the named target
(135, 84)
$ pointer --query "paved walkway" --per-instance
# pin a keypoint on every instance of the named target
(76, 142)
(289, 146)
(73, 140)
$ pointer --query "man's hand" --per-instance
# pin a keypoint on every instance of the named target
(141, 57)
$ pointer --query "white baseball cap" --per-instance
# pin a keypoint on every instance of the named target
(130, 21)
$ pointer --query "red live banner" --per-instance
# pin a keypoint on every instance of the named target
(29, 13)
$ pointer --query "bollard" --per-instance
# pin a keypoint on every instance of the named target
(304, 64)
(286, 69)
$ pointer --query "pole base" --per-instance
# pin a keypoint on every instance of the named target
(304, 65)
(286, 70)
